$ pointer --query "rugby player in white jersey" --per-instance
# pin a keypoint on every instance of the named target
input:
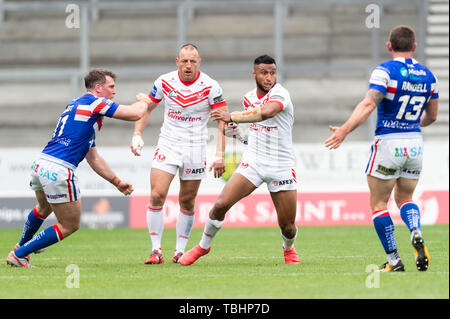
(189, 96)
(269, 158)
(53, 174)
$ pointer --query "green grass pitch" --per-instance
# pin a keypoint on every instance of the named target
(244, 263)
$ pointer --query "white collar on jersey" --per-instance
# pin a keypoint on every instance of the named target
(403, 60)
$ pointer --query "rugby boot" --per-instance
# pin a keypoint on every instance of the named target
(15, 261)
(155, 258)
(421, 256)
(192, 255)
(386, 267)
(291, 256)
(177, 257)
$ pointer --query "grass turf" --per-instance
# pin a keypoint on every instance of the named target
(244, 263)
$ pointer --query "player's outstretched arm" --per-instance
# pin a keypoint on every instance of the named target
(256, 114)
(358, 116)
(135, 111)
(99, 165)
(430, 113)
(137, 143)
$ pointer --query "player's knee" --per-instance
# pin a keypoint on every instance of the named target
(221, 207)
(157, 198)
(288, 229)
(187, 202)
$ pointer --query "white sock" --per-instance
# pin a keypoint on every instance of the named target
(184, 226)
(155, 222)
(393, 258)
(210, 230)
(288, 243)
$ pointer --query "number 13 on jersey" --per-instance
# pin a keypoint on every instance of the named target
(417, 103)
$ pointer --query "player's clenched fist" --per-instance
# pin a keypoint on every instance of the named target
(125, 188)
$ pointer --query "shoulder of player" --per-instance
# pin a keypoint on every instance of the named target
(279, 89)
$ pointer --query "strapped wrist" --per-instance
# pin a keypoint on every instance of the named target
(115, 181)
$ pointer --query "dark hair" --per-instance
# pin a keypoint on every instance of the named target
(264, 59)
(402, 38)
(97, 76)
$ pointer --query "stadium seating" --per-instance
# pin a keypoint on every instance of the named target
(229, 39)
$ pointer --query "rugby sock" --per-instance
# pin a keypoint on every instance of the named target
(155, 222)
(385, 230)
(410, 214)
(45, 238)
(32, 225)
(288, 244)
(184, 226)
(210, 230)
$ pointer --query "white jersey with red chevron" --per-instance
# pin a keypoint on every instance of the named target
(270, 141)
(187, 107)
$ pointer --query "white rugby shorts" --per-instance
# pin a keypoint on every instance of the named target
(59, 183)
(188, 161)
(395, 157)
(277, 178)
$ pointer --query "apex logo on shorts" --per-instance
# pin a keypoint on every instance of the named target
(194, 170)
(285, 182)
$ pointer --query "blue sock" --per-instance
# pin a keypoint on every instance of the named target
(385, 230)
(45, 238)
(32, 225)
(410, 214)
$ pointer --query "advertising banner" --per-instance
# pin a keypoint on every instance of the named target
(332, 188)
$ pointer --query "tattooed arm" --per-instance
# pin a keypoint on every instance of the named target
(360, 114)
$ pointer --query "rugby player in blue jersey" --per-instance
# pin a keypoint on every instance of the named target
(405, 94)
(53, 174)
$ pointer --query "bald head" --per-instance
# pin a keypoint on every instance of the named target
(188, 62)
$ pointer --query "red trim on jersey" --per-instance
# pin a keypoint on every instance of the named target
(189, 83)
(220, 104)
(99, 107)
(373, 158)
(83, 112)
(247, 103)
(391, 89)
(166, 86)
(260, 97)
(58, 232)
(68, 184)
(153, 99)
(278, 102)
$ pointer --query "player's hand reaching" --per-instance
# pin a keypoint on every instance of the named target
(125, 188)
(219, 167)
(336, 139)
(143, 98)
(137, 143)
(218, 115)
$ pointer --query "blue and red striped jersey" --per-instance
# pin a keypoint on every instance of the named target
(75, 132)
(407, 86)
